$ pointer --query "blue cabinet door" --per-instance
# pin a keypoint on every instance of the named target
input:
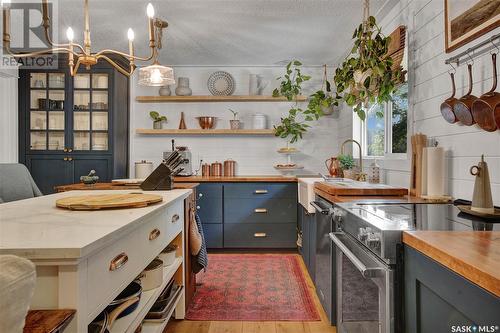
(209, 203)
(260, 190)
(49, 171)
(260, 210)
(213, 235)
(305, 236)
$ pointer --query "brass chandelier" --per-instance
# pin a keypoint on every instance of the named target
(78, 55)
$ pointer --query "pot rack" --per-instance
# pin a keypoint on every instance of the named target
(471, 53)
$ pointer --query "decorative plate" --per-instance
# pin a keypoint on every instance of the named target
(221, 83)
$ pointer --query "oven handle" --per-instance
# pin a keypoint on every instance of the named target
(316, 205)
(365, 271)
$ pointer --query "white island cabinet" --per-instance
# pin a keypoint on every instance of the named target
(74, 252)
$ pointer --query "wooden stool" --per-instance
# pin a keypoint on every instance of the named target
(48, 321)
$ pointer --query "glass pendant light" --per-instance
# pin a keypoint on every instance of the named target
(156, 75)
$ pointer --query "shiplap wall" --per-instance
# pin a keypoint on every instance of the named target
(429, 85)
(254, 155)
(8, 116)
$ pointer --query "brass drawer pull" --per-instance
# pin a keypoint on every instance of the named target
(154, 234)
(175, 218)
(260, 210)
(260, 235)
(118, 261)
(261, 191)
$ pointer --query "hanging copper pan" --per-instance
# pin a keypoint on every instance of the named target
(483, 108)
(447, 105)
(463, 106)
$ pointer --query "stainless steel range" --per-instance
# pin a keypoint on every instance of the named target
(368, 258)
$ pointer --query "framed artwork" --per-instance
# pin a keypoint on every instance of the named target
(466, 20)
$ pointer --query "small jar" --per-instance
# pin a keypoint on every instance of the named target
(229, 168)
(216, 169)
(205, 170)
(259, 121)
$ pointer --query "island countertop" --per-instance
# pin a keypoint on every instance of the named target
(36, 229)
(237, 179)
(475, 255)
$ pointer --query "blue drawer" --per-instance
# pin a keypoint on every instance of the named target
(260, 210)
(260, 235)
(213, 235)
(260, 190)
(209, 203)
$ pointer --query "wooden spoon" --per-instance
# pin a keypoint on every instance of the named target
(463, 106)
(447, 105)
(485, 107)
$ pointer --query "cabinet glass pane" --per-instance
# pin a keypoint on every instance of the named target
(100, 81)
(82, 100)
(56, 80)
(81, 121)
(99, 141)
(81, 141)
(100, 121)
(38, 99)
(56, 99)
(56, 140)
(56, 120)
(38, 120)
(38, 80)
(99, 100)
(38, 141)
(82, 81)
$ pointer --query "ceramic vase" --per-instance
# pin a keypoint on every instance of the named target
(183, 87)
(235, 124)
(157, 125)
(164, 91)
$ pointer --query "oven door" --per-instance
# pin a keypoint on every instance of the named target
(365, 288)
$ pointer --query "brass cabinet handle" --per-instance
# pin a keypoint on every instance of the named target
(260, 210)
(175, 218)
(65, 159)
(154, 234)
(118, 261)
(261, 191)
(260, 235)
(70, 158)
(65, 150)
(70, 150)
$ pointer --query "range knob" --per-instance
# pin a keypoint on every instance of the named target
(373, 241)
(362, 234)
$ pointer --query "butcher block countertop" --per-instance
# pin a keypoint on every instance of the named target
(359, 189)
(475, 255)
(113, 186)
(237, 179)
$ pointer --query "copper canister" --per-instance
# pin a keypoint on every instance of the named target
(229, 168)
(205, 170)
(216, 169)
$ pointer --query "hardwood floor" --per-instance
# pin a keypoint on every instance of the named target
(323, 326)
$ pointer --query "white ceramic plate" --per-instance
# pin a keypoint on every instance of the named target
(221, 83)
(127, 181)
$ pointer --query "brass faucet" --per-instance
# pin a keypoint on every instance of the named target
(361, 176)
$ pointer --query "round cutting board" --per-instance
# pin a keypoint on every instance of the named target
(108, 201)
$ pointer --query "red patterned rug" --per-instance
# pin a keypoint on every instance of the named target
(252, 287)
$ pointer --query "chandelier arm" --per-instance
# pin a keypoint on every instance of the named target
(128, 56)
(49, 40)
(73, 69)
(116, 66)
(37, 53)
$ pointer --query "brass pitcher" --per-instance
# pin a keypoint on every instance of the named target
(333, 167)
(482, 200)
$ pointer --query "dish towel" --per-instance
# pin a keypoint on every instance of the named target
(201, 259)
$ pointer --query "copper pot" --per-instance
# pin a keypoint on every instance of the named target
(205, 170)
(207, 122)
(216, 169)
(447, 105)
(229, 168)
(485, 108)
(463, 106)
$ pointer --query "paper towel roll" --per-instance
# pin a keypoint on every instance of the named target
(435, 171)
(143, 169)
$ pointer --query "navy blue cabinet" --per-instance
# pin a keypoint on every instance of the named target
(248, 215)
(308, 240)
(439, 300)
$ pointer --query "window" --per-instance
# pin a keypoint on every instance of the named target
(384, 132)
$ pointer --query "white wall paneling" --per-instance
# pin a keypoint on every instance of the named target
(254, 155)
(8, 116)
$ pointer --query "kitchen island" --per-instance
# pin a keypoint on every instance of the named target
(74, 252)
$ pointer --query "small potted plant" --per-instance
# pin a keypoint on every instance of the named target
(234, 123)
(157, 119)
(347, 165)
(322, 101)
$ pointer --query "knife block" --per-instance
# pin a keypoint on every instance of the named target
(160, 179)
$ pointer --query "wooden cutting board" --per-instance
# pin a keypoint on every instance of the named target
(360, 189)
(108, 201)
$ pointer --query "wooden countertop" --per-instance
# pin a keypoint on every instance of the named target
(113, 186)
(360, 198)
(359, 189)
(475, 255)
(237, 179)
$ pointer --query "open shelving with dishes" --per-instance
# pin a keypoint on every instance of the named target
(256, 132)
(209, 98)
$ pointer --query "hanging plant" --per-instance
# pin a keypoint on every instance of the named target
(322, 102)
(366, 75)
(295, 124)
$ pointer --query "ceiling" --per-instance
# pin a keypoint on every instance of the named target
(225, 32)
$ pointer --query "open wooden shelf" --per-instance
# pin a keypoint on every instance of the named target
(262, 132)
(191, 99)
